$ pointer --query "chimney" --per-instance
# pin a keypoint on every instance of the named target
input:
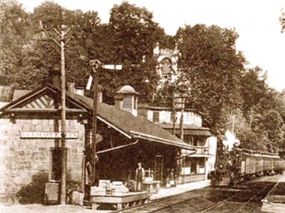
(54, 78)
(71, 87)
(79, 91)
(156, 49)
(118, 101)
(142, 109)
(126, 99)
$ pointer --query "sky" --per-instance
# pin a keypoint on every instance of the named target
(256, 21)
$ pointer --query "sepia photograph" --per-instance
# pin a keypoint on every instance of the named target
(142, 106)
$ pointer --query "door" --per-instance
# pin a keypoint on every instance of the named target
(158, 168)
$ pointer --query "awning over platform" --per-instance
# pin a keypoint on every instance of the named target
(197, 153)
(197, 132)
(188, 129)
(151, 138)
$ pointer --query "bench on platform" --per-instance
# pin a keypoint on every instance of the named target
(120, 201)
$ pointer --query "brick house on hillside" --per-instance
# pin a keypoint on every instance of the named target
(179, 120)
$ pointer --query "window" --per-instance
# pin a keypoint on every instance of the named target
(172, 116)
(55, 164)
(155, 117)
(127, 102)
(189, 139)
(166, 69)
(194, 167)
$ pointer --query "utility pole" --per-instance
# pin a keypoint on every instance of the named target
(181, 116)
(96, 65)
(173, 111)
(63, 118)
(62, 35)
(61, 44)
(183, 86)
(233, 123)
(250, 117)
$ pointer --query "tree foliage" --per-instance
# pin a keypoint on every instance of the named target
(134, 31)
(221, 88)
(210, 59)
(14, 43)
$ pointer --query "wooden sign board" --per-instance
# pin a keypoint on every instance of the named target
(47, 135)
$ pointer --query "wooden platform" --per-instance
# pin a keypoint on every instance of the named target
(273, 207)
(277, 193)
(120, 201)
(275, 199)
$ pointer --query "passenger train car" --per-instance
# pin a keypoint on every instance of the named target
(241, 164)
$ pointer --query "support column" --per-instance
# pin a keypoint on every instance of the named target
(86, 158)
(206, 169)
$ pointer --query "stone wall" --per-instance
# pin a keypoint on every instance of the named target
(21, 158)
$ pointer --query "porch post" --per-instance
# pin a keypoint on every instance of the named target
(206, 169)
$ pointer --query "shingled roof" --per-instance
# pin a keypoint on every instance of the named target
(138, 127)
(124, 122)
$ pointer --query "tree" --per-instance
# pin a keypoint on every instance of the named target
(256, 94)
(14, 43)
(82, 35)
(129, 37)
(134, 31)
(210, 60)
(272, 123)
(280, 102)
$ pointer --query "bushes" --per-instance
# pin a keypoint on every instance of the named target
(33, 192)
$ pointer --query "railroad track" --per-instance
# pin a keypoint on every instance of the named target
(259, 195)
(237, 207)
(217, 205)
(238, 202)
(165, 204)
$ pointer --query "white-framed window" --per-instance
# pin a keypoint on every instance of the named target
(127, 102)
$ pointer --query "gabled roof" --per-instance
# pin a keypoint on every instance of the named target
(42, 100)
(19, 93)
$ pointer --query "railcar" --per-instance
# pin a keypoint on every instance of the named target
(237, 165)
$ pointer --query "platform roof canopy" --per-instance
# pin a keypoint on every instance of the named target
(189, 129)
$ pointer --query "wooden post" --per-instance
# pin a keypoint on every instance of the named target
(63, 119)
(86, 156)
(250, 118)
(173, 112)
(233, 123)
(206, 169)
(181, 119)
(96, 64)
(94, 122)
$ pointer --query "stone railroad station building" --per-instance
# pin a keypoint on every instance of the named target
(30, 125)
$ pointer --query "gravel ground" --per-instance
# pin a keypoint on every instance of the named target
(192, 201)
(37, 208)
